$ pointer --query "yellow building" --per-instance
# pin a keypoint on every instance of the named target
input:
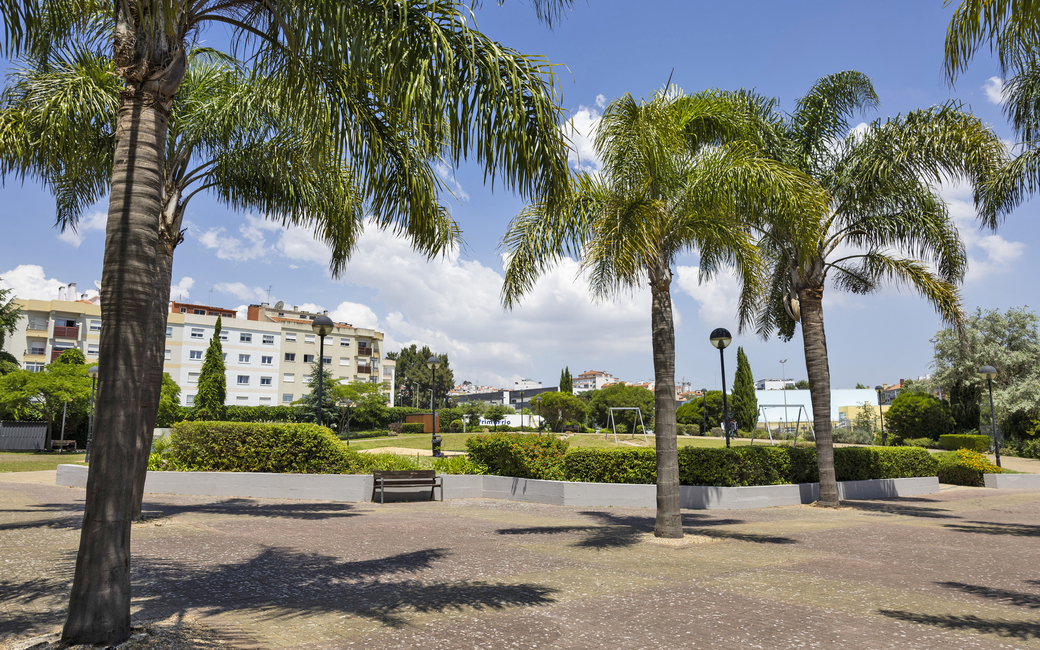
(49, 327)
(847, 414)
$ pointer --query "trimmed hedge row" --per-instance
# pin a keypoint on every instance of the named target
(964, 467)
(954, 442)
(413, 427)
(530, 456)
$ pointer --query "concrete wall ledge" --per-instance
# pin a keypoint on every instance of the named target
(359, 487)
(1012, 481)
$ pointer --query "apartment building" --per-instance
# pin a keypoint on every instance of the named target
(592, 380)
(49, 327)
(351, 353)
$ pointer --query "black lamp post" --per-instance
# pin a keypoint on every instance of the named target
(884, 436)
(322, 326)
(433, 363)
(720, 338)
(989, 372)
(521, 411)
(92, 373)
(347, 404)
(538, 401)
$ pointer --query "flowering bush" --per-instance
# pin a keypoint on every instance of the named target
(965, 467)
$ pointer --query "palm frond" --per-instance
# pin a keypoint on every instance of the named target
(822, 116)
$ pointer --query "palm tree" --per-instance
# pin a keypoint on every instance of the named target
(376, 73)
(1010, 27)
(885, 222)
(676, 171)
(227, 136)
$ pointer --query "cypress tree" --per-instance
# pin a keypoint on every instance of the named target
(213, 379)
(745, 404)
(566, 386)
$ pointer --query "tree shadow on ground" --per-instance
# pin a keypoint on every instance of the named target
(1007, 629)
(900, 507)
(990, 528)
(1016, 598)
(71, 522)
(252, 508)
(285, 583)
(25, 605)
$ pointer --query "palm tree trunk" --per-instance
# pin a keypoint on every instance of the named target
(99, 605)
(669, 519)
(814, 339)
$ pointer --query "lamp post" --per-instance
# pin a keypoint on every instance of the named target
(521, 411)
(92, 373)
(884, 436)
(433, 363)
(322, 326)
(538, 401)
(720, 338)
(989, 372)
(347, 404)
(783, 381)
(415, 394)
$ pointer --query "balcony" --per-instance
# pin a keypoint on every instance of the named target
(364, 370)
(37, 327)
(364, 351)
(66, 332)
(57, 353)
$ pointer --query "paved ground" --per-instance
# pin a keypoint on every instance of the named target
(960, 569)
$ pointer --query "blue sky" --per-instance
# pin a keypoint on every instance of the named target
(602, 50)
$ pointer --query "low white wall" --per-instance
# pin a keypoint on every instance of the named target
(1011, 481)
(359, 487)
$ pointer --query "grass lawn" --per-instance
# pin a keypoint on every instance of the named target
(34, 461)
(457, 441)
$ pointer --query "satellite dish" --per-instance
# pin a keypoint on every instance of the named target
(97, 283)
(279, 305)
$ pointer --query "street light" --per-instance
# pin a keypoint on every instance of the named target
(720, 338)
(322, 326)
(433, 363)
(92, 373)
(989, 372)
(538, 401)
(347, 404)
(521, 410)
(884, 436)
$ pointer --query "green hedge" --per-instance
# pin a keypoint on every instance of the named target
(520, 455)
(741, 466)
(254, 447)
(954, 442)
(413, 427)
(964, 467)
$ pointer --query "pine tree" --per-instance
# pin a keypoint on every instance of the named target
(745, 404)
(212, 380)
(566, 386)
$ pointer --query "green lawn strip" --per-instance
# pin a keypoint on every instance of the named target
(35, 461)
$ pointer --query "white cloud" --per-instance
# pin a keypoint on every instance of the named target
(299, 244)
(95, 221)
(447, 174)
(241, 291)
(581, 130)
(251, 245)
(717, 297)
(356, 314)
(179, 291)
(988, 254)
(994, 89)
(29, 282)
(601, 101)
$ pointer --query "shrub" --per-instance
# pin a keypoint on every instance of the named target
(395, 428)
(254, 447)
(1030, 449)
(455, 426)
(964, 467)
(954, 441)
(918, 415)
(458, 465)
(413, 427)
(739, 466)
(590, 465)
(371, 462)
(854, 436)
(926, 443)
(863, 463)
(520, 455)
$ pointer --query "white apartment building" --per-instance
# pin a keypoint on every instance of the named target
(525, 384)
(773, 384)
(49, 327)
(592, 380)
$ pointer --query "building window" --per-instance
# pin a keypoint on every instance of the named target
(37, 349)
(195, 354)
(308, 338)
(243, 380)
(201, 312)
(266, 360)
(95, 326)
(265, 381)
(265, 401)
(169, 332)
(196, 332)
(290, 356)
(34, 366)
(243, 358)
(223, 335)
(223, 355)
(308, 358)
(168, 356)
(290, 336)
(193, 377)
(241, 400)
(245, 337)
(327, 361)
(329, 340)
(288, 377)
(92, 348)
(286, 397)
(268, 339)
(189, 400)
(344, 361)
(345, 342)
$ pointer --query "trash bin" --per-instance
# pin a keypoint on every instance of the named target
(437, 445)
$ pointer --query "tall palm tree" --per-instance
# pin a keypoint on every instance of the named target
(676, 172)
(885, 222)
(378, 72)
(1010, 27)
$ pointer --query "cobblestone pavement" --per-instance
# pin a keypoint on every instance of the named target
(960, 569)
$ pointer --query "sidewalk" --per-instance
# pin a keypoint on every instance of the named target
(954, 570)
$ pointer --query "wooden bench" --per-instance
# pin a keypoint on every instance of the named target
(63, 445)
(407, 478)
(571, 428)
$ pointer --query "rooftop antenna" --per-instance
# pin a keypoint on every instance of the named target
(269, 294)
(209, 298)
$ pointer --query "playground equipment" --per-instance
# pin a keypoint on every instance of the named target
(798, 422)
(613, 423)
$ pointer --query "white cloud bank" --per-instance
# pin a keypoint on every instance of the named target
(93, 222)
(994, 89)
